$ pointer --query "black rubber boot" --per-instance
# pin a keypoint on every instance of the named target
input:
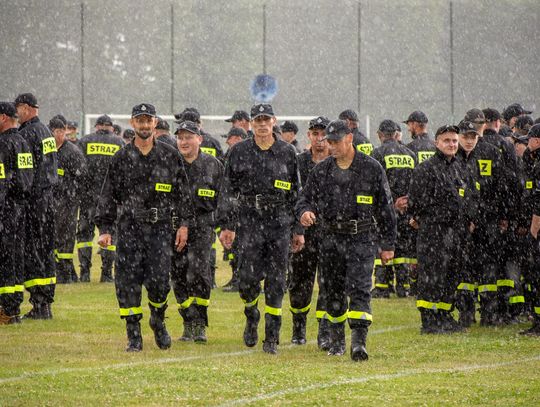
(272, 326)
(534, 330)
(107, 261)
(39, 311)
(429, 322)
(323, 335)
(199, 332)
(358, 343)
(489, 309)
(85, 260)
(133, 329)
(187, 335)
(299, 329)
(251, 337)
(157, 323)
(448, 323)
(466, 307)
(337, 339)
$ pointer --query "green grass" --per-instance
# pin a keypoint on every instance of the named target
(78, 359)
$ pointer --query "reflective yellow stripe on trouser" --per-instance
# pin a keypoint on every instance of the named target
(319, 314)
(126, 312)
(272, 311)
(19, 288)
(111, 248)
(40, 281)
(360, 315)
(300, 310)
(7, 290)
(505, 283)
(252, 303)
(487, 288)
(537, 310)
(201, 301)
(336, 320)
(466, 286)
(433, 305)
(186, 303)
(80, 245)
(64, 256)
(404, 260)
(516, 299)
(157, 304)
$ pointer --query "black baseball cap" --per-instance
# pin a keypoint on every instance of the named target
(348, 114)
(447, 128)
(491, 115)
(288, 125)
(388, 126)
(236, 131)
(417, 116)
(521, 140)
(190, 126)
(467, 127)
(319, 122)
(188, 116)
(56, 123)
(238, 115)
(162, 124)
(8, 109)
(27, 99)
(262, 109)
(534, 131)
(143, 109)
(524, 123)
(72, 124)
(61, 117)
(475, 116)
(336, 130)
(104, 120)
(515, 109)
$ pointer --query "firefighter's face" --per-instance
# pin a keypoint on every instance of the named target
(188, 143)
(468, 141)
(317, 140)
(262, 125)
(144, 125)
(448, 143)
(340, 148)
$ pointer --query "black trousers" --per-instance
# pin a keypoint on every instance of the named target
(192, 275)
(302, 271)
(39, 264)
(488, 259)
(144, 259)
(439, 261)
(65, 211)
(11, 254)
(346, 265)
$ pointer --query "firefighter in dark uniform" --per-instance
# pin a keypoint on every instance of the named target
(209, 144)
(289, 129)
(71, 172)
(98, 149)
(16, 176)
(348, 195)
(72, 132)
(261, 177)
(421, 144)
(192, 269)
(144, 188)
(162, 133)
(436, 204)
(398, 162)
(360, 141)
(531, 159)
(304, 264)
(39, 265)
(241, 120)
(492, 219)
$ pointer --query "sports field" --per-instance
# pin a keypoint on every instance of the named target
(78, 359)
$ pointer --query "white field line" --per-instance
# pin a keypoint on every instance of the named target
(381, 377)
(32, 375)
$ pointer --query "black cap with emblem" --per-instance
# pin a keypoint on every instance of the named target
(190, 126)
(336, 130)
(417, 116)
(143, 109)
(319, 122)
(263, 109)
(238, 115)
(447, 128)
(467, 127)
(8, 109)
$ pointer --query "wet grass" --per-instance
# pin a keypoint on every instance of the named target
(78, 358)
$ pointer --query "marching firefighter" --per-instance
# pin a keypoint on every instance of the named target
(192, 268)
(98, 149)
(259, 191)
(348, 196)
(398, 162)
(16, 176)
(145, 187)
(305, 264)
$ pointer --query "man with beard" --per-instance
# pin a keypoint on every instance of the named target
(421, 144)
(145, 187)
(304, 264)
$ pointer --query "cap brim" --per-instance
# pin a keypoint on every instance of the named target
(143, 114)
(229, 120)
(261, 114)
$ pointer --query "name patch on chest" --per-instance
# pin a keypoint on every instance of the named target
(208, 193)
(163, 187)
(399, 161)
(209, 150)
(364, 199)
(101, 149)
(282, 185)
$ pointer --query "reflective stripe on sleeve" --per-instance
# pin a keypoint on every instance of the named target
(7, 290)
(80, 245)
(111, 248)
(202, 301)
(64, 256)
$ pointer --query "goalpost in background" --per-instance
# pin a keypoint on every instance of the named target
(215, 125)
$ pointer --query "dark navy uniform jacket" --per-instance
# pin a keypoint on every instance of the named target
(422, 146)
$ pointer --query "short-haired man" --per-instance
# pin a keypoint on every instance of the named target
(421, 144)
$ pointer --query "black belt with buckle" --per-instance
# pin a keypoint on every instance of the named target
(348, 227)
(261, 201)
(152, 215)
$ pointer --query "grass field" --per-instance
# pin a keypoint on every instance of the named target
(78, 359)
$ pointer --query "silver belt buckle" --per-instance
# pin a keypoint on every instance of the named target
(153, 218)
(355, 226)
(257, 197)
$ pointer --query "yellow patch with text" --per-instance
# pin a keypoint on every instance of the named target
(282, 185)
(366, 148)
(461, 192)
(485, 167)
(25, 160)
(364, 199)
(163, 187)
(209, 150)
(49, 145)
(101, 149)
(399, 161)
(425, 155)
(528, 184)
(60, 172)
(208, 193)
